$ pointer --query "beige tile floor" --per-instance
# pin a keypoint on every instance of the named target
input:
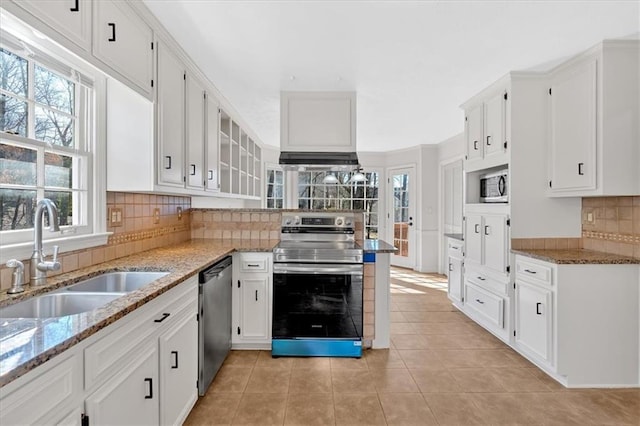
(441, 369)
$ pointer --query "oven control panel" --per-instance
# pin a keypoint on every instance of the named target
(318, 220)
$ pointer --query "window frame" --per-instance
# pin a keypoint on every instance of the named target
(277, 169)
(353, 185)
(88, 152)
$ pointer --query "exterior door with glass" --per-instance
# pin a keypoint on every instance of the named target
(402, 216)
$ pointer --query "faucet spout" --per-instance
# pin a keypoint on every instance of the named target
(39, 266)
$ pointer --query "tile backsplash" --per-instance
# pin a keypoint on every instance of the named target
(138, 231)
(612, 224)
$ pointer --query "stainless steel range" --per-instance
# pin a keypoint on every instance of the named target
(317, 286)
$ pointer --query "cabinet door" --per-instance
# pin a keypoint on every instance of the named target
(455, 279)
(533, 319)
(123, 40)
(494, 125)
(473, 239)
(212, 143)
(178, 369)
(71, 18)
(573, 128)
(195, 133)
(131, 396)
(474, 133)
(73, 418)
(254, 308)
(494, 232)
(170, 118)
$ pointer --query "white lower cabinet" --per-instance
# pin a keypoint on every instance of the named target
(131, 396)
(140, 370)
(48, 397)
(455, 290)
(251, 312)
(579, 322)
(486, 301)
(178, 369)
(534, 310)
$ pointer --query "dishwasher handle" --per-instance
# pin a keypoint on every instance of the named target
(214, 271)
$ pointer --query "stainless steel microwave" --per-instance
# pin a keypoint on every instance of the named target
(494, 187)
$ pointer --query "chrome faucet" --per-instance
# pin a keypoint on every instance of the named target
(39, 266)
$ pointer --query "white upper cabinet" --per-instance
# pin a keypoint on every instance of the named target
(212, 146)
(123, 41)
(170, 107)
(485, 132)
(318, 121)
(573, 128)
(594, 134)
(71, 18)
(195, 132)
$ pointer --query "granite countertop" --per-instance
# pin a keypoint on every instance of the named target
(378, 246)
(577, 257)
(454, 236)
(26, 343)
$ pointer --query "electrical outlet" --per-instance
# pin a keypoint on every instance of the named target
(156, 216)
(115, 217)
(179, 210)
(590, 217)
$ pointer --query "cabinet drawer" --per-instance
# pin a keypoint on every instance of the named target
(39, 400)
(533, 271)
(455, 249)
(489, 306)
(252, 262)
(484, 281)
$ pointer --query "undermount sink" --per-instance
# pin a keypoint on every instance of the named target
(58, 304)
(121, 282)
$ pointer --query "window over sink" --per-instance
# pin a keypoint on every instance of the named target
(47, 139)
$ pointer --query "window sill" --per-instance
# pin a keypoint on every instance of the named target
(23, 251)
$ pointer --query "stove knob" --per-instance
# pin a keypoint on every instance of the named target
(297, 221)
(348, 222)
(339, 221)
(287, 221)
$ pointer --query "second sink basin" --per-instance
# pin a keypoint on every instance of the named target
(122, 282)
(56, 304)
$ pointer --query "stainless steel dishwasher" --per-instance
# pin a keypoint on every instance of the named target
(214, 326)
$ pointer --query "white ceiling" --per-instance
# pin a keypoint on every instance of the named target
(412, 63)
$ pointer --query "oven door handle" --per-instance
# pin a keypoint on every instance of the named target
(316, 269)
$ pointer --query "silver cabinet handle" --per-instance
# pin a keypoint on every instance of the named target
(530, 271)
(480, 301)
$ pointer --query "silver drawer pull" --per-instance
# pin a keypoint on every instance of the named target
(253, 265)
(530, 271)
(480, 301)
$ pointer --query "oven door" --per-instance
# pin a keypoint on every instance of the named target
(317, 301)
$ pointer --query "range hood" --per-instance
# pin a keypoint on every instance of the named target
(318, 131)
(319, 161)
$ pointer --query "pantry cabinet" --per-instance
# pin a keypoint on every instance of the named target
(123, 41)
(70, 18)
(594, 108)
(252, 295)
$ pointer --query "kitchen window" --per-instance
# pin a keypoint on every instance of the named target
(275, 188)
(346, 194)
(46, 140)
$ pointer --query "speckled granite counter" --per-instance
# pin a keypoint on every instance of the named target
(577, 257)
(27, 343)
(378, 246)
